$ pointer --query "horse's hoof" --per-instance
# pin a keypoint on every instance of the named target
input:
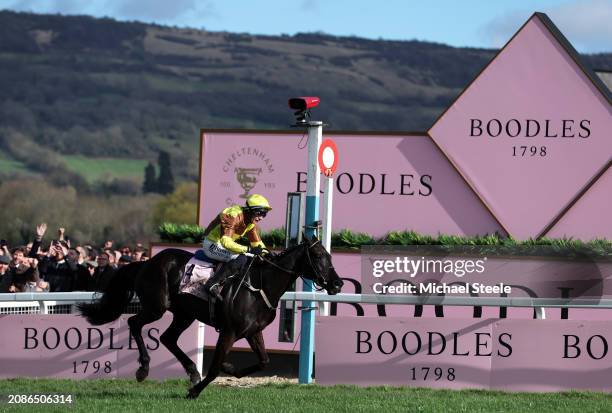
(142, 373)
(192, 394)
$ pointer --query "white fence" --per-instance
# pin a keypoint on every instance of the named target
(64, 303)
(49, 303)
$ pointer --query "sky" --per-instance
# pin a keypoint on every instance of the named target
(473, 23)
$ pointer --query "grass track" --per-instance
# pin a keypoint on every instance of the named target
(152, 396)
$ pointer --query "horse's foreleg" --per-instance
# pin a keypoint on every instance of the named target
(169, 338)
(257, 344)
(136, 322)
(224, 345)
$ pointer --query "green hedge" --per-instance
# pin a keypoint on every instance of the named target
(194, 234)
(349, 240)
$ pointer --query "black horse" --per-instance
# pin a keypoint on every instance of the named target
(244, 312)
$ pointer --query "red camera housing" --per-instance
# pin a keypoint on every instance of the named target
(304, 102)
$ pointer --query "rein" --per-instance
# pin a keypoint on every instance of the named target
(249, 286)
(288, 271)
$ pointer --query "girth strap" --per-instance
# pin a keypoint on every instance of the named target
(262, 293)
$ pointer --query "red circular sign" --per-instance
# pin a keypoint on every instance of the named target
(328, 157)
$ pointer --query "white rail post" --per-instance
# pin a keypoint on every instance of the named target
(328, 198)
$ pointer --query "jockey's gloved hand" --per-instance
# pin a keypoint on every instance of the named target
(257, 250)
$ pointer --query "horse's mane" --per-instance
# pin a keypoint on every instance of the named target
(287, 251)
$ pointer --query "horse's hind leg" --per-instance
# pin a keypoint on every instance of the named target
(136, 322)
(256, 342)
(170, 337)
(224, 345)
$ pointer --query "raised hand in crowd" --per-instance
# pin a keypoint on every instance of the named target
(63, 238)
(58, 272)
(40, 231)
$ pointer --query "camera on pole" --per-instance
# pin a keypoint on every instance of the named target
(302, 106)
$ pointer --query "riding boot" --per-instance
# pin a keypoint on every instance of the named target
(214, 283)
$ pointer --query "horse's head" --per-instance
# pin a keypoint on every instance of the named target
(318, 267)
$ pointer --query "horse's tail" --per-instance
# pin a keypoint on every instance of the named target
(115, 298)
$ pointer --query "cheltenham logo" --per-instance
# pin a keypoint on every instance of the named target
(249, 166)
(247, 177)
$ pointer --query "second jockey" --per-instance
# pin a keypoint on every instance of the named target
(221, 234)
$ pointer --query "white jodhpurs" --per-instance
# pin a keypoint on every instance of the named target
(217, 252)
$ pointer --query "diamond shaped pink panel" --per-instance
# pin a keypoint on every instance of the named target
(590, 217)
(530, 132)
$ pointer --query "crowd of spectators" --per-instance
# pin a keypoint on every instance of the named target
(57, 265)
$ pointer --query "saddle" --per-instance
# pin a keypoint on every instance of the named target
(198, 270)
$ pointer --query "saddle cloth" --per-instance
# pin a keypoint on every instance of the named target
(197, 272)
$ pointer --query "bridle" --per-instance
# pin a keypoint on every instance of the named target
(319, 279)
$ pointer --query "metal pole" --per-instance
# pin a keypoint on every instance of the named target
(328, 198)
(313, 186)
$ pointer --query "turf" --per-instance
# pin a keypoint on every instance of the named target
(152, 396)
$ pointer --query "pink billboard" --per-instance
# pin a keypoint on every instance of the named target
(383, 182)
(530, 132)
(397, 351)
(517, 355)
(67, 346)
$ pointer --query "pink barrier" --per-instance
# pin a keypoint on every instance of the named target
(67, 346)
(518, 355)
(553, 355)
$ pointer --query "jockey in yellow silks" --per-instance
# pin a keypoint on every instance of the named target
(231, 224)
